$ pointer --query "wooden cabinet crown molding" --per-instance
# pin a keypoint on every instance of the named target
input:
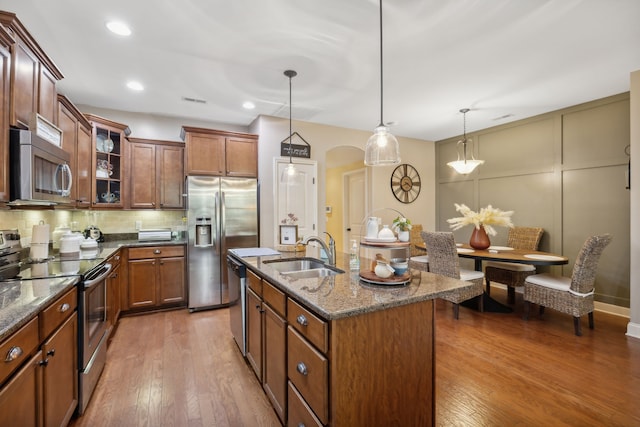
(156, 141)
(190, 129)
(108, 122)
(77, 114)
(18, 30)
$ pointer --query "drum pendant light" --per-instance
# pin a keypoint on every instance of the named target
(290, 175)
(382, 147)
(464, 166)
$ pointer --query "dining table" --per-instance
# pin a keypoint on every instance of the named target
(503, 254)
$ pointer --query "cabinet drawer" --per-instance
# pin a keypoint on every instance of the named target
(311, 327)
(54, 315)
(254, 283)
(299, 411)
(20, 344)
(275, 298)
(156, 252)
(308, 370)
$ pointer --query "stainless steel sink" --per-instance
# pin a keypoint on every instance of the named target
(310, 274)
(303, 268)
(295, 264)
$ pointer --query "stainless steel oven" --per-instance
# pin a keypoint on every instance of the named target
(92, 333)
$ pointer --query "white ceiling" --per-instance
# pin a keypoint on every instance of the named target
(515, 58)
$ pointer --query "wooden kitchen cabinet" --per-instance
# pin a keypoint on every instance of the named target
(5, 95)
(76, 140)
(33, 76)
(113, 292)
(156, 174)
(266, 340)
(43, 391)
(254, 327)
(220, 153)
(156, 277)
(108, 162)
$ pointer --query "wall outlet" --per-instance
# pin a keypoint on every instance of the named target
(138, 225)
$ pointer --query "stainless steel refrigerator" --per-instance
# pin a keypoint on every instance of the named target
(222, 213)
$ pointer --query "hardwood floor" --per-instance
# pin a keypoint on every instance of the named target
(180, 369)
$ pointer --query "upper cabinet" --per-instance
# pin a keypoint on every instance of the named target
(220, 153)
(33, 76)
(76, 140)
(156, 174)
(108, 162)
(5, 93)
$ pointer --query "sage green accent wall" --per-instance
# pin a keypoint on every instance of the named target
(564, 171)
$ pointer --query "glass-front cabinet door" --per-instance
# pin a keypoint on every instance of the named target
(108, 163)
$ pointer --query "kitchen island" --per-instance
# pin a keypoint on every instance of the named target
(339, 352)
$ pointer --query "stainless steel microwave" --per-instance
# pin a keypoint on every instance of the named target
(39, 171)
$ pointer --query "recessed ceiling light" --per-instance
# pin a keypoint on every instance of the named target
(137, 86)
(119, 28)
(248, 105)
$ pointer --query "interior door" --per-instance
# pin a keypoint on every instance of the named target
(354, 192)
(299, 200)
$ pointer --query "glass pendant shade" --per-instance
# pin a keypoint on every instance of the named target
(464, 166)
(291, 176)
(382, 148)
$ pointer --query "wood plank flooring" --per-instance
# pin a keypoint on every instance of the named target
(180, 369)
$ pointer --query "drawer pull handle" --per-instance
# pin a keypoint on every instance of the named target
(302, 320)
(64, 307)
(13, 354)
(157, 251)
(300, 424)
(302, 368)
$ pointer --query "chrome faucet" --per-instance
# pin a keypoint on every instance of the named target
(329, 250)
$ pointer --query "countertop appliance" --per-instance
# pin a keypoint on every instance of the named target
(222, 213)
(39, 170)
(237, 274)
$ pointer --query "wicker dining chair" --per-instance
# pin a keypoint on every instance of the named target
(571, 295)
(512, 274)
(419, 260)
(443, 260)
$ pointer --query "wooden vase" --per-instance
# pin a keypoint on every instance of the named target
(479, 238)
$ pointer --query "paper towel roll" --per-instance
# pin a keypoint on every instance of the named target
(39, 251)
(40, 233)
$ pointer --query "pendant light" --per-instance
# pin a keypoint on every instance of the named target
(290, 175)
(464, 166)
(382, 147)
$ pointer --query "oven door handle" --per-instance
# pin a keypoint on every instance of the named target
(107, 269)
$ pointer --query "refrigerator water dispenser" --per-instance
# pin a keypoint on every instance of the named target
(203, 232)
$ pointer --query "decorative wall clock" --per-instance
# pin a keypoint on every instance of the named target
(405, 183)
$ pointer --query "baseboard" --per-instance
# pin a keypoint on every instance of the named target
(633, 330)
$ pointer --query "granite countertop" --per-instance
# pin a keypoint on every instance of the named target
(345, 295)
(22, 300)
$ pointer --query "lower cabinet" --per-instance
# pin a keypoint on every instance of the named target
(43, 391)
(266, 340)
(156, 277)
(113, 291)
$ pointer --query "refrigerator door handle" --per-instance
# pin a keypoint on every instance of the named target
(223, 221)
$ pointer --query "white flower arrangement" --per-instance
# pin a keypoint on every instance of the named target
(486, 217)
(401, 224)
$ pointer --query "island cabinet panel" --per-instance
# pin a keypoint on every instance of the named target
(309, 325)
(254, 332)
(5, 94)
(368, 363)
(299, 412)
(220, 153)
(274, 374)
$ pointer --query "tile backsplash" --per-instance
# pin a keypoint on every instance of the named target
(109, 222)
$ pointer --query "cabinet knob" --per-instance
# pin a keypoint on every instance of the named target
(300, 424)
(44, 362)
(157, 251)
(64, 307)
(13, 354)
(51, 352)
(302, 320)
(302, 368)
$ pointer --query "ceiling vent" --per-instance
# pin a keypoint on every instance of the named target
(195, 100)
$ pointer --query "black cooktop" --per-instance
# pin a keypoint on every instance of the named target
(57, 267)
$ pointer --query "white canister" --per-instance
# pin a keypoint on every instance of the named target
(70, 244)
(372, 227)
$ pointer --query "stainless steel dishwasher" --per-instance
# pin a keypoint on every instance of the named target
(237, 297)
